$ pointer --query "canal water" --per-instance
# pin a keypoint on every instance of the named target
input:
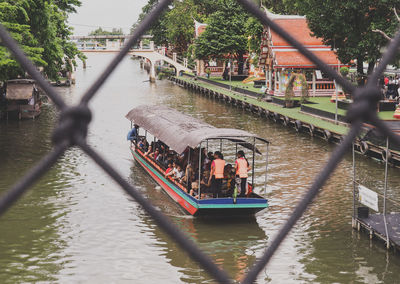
(77, 225)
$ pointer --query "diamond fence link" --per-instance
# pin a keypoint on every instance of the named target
(74, 121)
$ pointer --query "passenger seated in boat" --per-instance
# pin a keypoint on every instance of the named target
(172, 172)
(143, 145)
(188, 177)
(194, 188)
(155, 154)
(228, 183)
(205, 184)
(161, 158)
(169, 169)
(178, 173)
(149, 151)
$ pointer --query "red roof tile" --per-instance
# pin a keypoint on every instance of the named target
(298, 28)
(297, 60)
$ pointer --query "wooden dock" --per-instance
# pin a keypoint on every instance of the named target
(375, 225)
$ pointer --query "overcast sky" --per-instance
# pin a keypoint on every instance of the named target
(106, 14)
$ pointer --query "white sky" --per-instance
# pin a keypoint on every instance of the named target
(107, 14)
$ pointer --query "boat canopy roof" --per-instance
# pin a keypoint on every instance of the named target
(180, 131)
(19, 89)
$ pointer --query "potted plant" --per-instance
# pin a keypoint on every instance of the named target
(208, 72)
(344, 71)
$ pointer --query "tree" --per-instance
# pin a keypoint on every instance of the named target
(254, 30)
(348, 26)
(100, 31)
(225, 34)
(285, 7)
(158, 28)
(39, 26)
(48, 25)
(180, 25)
(14, 17)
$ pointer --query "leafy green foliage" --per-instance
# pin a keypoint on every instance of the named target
(39, 26)
(175, 27)
(100, 31)
(254, 30)
(180, 25)
(158, 29)
(225, 34)
(347, 26)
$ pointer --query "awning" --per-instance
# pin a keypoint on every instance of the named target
(21, 89)
(180, 131)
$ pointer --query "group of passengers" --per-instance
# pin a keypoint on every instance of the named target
(217, 178)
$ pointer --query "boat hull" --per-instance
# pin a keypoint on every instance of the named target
(204, 207)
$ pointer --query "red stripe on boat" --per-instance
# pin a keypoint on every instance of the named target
(171, 192)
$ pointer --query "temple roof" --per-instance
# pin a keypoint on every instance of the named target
(294, 59)
(297, 28)
(283, 55)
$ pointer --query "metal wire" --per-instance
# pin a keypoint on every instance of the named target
(73, 124)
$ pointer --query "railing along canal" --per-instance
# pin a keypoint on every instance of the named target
(74, 120)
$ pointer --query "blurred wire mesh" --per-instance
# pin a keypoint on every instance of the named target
(74, 120)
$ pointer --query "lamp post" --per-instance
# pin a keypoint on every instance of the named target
(230, 74)
(336, 92)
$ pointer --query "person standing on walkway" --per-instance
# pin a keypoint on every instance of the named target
(217, 173)
(241, 169)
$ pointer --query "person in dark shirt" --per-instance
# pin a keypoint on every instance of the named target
(133, 134)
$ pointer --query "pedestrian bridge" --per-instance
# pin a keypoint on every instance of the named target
(144, 49)
(156, 55)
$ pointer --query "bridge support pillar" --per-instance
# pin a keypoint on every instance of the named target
(152, 72)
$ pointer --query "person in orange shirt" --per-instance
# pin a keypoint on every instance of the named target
(241, 168)
(217, 173)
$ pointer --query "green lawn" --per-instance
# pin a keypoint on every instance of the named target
(322, 103)
(293, 113)
(239, 84)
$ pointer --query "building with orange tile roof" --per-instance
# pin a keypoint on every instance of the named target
(279, 59)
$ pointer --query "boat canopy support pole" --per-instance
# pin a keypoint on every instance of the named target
(252, 167)
(191, 165)
(266, 171)
(354, 184)
(199, 193)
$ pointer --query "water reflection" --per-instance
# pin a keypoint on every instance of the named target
(77, 225)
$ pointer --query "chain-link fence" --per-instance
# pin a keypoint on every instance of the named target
(74, 120)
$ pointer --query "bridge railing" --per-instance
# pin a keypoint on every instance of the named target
(73, 124)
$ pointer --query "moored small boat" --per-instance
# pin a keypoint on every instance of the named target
(186, 140)
(22, 99)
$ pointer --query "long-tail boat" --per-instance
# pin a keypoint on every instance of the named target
(189, 137)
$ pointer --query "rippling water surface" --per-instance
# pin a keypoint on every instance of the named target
(77, 225)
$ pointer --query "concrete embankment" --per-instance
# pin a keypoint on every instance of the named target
(291, 117)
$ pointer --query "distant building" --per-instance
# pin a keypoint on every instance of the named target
(199, 28)
(279, 59)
